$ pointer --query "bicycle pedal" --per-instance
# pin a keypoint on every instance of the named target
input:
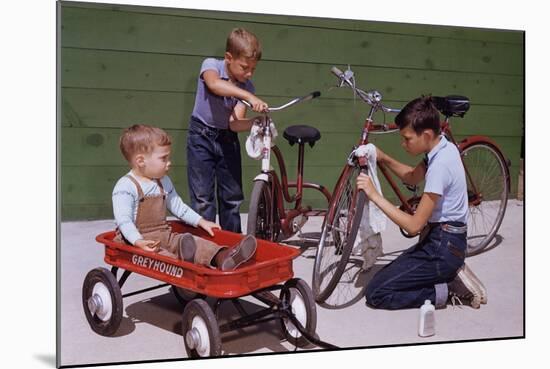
(298, 222)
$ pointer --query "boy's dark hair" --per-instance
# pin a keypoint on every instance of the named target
(420, 114)
(243, 43)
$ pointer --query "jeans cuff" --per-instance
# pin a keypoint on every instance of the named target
(441, 295)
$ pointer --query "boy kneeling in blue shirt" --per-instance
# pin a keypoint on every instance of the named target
(434, 268)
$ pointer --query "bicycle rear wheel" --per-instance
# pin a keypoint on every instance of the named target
(262, 218)
(338, 234)
(488, 182)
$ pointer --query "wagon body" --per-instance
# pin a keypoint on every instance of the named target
(272, 264)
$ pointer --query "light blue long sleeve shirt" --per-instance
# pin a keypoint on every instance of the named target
(126, 198)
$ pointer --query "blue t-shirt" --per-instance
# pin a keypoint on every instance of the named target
(445, 176)
(211, 109)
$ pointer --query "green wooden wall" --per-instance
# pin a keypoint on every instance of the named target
(122, 65)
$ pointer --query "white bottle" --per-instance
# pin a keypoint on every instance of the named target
(426, 320)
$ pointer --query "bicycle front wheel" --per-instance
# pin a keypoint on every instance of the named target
(338, 235)
(262, 221)
(488, 182)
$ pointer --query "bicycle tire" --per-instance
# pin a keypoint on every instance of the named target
(489, 173)
(345, 201)
(261, 222)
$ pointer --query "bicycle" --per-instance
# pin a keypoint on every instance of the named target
(268, 218)
(487, 176)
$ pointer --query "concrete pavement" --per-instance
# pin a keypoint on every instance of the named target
(151, 323)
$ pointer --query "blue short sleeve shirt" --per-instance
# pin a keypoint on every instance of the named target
(445, 176)
(211, 109)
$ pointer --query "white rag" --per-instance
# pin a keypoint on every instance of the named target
(255, 141)
(368, 242)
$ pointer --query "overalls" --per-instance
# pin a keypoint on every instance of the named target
(151, 223)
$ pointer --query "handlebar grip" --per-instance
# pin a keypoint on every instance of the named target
(245, 103)
(337, 72)
(315, 94)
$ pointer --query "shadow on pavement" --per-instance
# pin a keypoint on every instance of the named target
(497, 240)
(352, 285)
(165, 312)
(162, 311)
(305, 240)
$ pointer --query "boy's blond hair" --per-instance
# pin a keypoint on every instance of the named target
(141, 139)
(243, 43)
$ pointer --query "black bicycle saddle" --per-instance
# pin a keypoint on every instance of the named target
(301, 134)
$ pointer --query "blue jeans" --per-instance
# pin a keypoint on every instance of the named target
(419, 273)
(214, 167)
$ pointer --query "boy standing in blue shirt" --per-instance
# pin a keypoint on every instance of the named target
(434, 268)
(213, 149)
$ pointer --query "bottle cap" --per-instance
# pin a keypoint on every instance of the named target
(427, 302)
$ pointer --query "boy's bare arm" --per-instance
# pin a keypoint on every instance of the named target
(225, 88)
(238, 122)
(413, 224)
(405, 172)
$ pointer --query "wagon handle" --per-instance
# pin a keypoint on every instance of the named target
(304, 333)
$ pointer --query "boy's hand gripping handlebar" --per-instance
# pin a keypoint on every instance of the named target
(295, 101)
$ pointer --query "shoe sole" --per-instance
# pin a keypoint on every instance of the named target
(187, 248)
(472, 287)
(481, 288)
(240, 254)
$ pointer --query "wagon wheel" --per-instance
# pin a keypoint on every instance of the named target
(201, 334)
(297, 294)
(102, 301)
(184, 296)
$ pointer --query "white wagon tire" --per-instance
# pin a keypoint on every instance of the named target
(298, 295)
(201, 334)
(102, 301)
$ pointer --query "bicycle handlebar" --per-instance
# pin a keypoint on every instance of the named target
(372, 97)
(295, 101)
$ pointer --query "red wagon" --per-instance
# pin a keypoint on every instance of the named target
(259, 277)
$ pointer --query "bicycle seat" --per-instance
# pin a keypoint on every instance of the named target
(301, 134)
(452, 105)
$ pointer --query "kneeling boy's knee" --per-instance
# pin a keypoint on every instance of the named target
(371, 295)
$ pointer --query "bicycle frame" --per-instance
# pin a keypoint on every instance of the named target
(280, 190)
(280, 194)
(344, 217)
(369, 127)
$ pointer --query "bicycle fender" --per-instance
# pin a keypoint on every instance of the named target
(476, 139)
(261, 177)
(484, 139)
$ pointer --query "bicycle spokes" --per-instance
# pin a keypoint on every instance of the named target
(488, 181)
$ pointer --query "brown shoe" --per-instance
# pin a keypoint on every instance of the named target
(463, 290)
(187, 247)
(232, 258)
(479, 285)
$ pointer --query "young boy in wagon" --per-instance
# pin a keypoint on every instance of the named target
(141, 197)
